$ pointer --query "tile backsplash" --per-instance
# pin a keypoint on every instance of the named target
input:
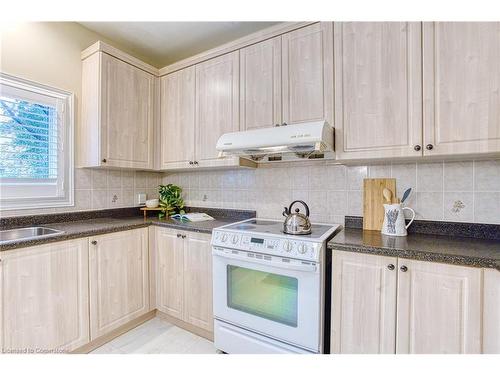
(467, 191)
(97, 189)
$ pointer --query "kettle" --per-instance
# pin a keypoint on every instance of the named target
(296, 223)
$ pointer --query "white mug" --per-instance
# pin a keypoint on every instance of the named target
(394, 220)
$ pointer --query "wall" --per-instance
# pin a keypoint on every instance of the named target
(49, 53)
(467, 191)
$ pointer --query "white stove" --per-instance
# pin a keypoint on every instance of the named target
(269, 287)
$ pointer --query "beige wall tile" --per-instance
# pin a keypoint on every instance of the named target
(355, 177)
(487, 175)
(459, 206)
(487, 207)
(430, 177)
(429, 206)
(458, 176)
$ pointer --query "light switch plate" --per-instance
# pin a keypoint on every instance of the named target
(141, 198)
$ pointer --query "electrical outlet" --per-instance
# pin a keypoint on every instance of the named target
(141, 198)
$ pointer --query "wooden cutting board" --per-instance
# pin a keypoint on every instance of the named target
(373, 201)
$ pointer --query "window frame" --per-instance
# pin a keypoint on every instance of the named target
(66, 164)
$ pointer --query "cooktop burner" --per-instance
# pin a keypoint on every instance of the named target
(276, 227)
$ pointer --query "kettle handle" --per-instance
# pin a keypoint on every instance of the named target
(303, 203)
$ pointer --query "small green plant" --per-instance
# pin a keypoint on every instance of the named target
(171, 200)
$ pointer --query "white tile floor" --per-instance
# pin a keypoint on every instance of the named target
(157, 336)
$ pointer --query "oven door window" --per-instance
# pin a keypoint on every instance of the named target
(267, 295)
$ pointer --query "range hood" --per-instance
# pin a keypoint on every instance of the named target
(304, 140)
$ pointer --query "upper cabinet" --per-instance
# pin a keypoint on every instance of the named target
(378, 87)
(288, 78)
(260, 85)
(178, 100)
(217, 96)
(461, 87)
(307, 63)
(118, 111)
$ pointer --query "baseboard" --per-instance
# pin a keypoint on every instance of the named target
(100, 341)
(187, 326)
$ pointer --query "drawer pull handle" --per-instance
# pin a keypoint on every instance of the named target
(403, 268)
(390, 267)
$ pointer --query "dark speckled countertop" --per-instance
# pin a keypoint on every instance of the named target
(426, 247)
(101, 225)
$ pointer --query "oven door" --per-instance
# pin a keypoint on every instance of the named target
(277, 297)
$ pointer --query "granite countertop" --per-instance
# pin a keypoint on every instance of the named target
(96, 226)
(426, 247)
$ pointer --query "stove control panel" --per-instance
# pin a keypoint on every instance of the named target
(287, 247)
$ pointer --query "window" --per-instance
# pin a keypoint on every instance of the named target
(36, 145)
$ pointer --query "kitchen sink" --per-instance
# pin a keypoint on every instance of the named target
(29, 233)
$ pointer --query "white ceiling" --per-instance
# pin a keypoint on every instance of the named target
(164, 43)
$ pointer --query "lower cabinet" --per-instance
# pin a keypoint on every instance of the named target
(119, 279)
(44, 298)
(363, 303)
(389, 305)
(184, 276)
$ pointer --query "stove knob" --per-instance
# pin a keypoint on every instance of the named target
(302, 248)
(287, 246)
(235, 239)
(224, 237)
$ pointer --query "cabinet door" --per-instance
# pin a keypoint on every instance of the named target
(198, 281)
(260, 85)
(217, 103)
(439, 308)
(461, 87)
(177, 118)
(127, 114)
(307, 63)
(44, 298)
(170, 273)
(491, 312)
(363, 303)
(378, 89)
(119, 280)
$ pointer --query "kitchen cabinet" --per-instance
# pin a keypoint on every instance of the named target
(363, 303)
(378, 89)
(439, 308)
(118, 112)
(178, 103)
(260, 85)
(119, 279)
(307, 69)
(184, 276)
(44, 298)
(217, 104)
(491, 312)
(388, 305)
(170, 273)
(461, 87)
(198, 281)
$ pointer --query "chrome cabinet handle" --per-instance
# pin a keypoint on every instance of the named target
(178, 235)
(183, 236)
(94, 242)
(403, 268)
(195, 162)
(417, 148)
(429, 147)
(190, 162)
(104, 160)
(390, 267)
(284, 124)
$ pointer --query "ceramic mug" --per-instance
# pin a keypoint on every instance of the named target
(394, 220)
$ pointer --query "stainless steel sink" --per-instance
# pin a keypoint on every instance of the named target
(29, 233)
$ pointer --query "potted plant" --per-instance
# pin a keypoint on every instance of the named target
(171, 201)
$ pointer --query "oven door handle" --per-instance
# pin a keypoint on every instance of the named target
(287, 266)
